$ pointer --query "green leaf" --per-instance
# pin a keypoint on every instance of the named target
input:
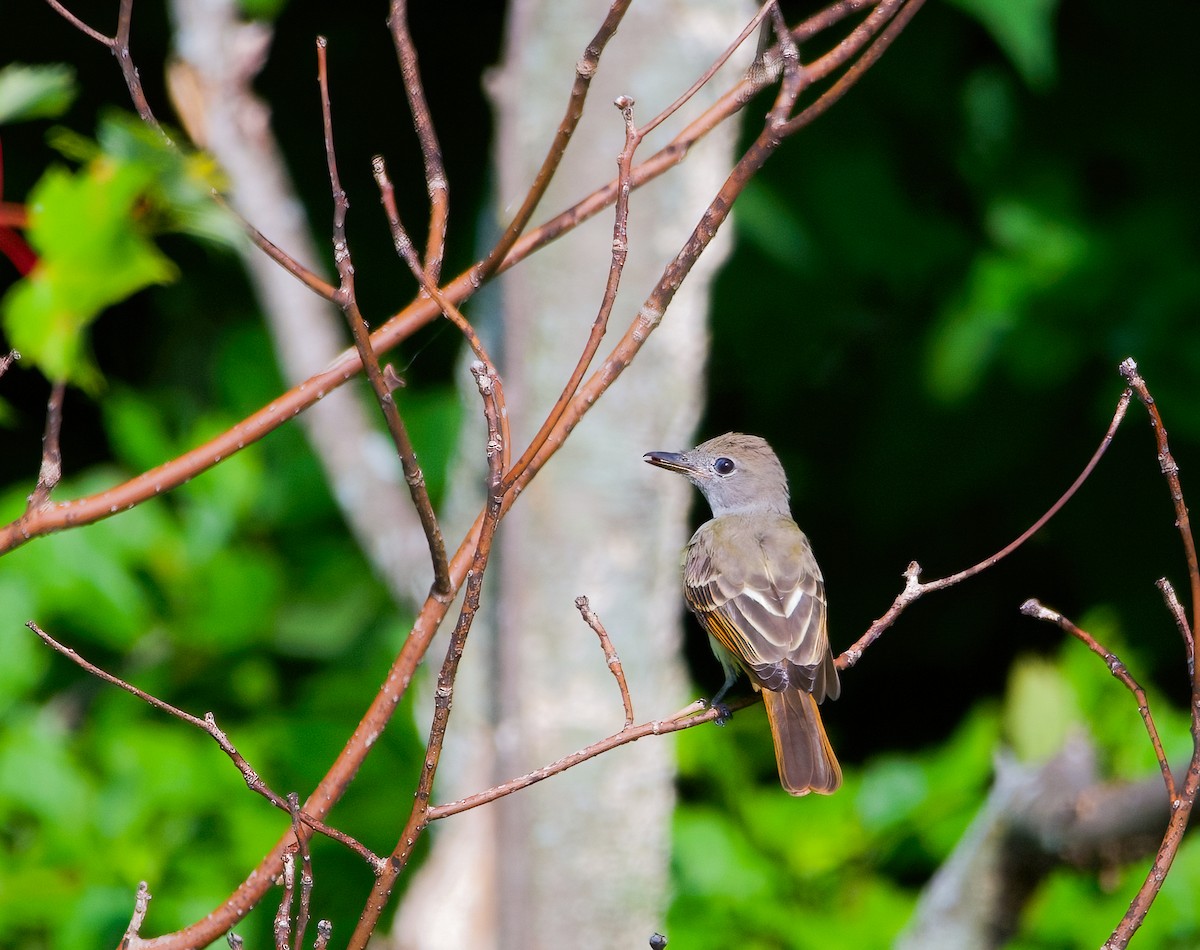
(94, 230)
(93, 252)
(35, 92)
(1024, 29)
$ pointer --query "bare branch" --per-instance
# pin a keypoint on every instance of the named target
(1033, 608)
(306, 874)
(141, 904)
(435, 171)
(610, 655)
(1181, 622)
(620, 251)
(444, 694)
(208, 724)
(312, 281)
(50, 471)
(404, 247)
(346, 299)
(584, 70)
(694, 715)
(7, 360)
(914, 590)
(119, 45)
(1170, 469)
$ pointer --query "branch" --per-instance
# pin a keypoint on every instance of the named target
(346, 299)
(585, 69)
(914, 590)
(414, 316)
(435, 171)
(50, 471)
(610, 655)
(209, 725)
(418, 820)
(1032, 608)
(7, 359)
(118, 44)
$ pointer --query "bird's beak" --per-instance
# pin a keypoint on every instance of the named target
(671, 461)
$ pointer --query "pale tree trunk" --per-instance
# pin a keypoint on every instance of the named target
(581, 860)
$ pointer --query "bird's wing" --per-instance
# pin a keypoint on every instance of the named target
(756, 588)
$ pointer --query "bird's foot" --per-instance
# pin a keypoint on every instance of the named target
(724, 714)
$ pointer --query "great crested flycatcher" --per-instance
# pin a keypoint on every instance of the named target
(750, 577)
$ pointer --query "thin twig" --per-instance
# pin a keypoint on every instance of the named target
(1034, 608)
(1182, 805)
(119, 45)
(7, 360)
(347, 300)
(209, 725)
(141, 904)
(50, 471)
(322, 288)
(283, 914)
(435, 171)
(620, 252)
(405, 248)
(914, 589)
(585, 69)
(418, 819)
(306, 873)
(610, 655)
(694, 715)
(708, 74)
(1170, 469)
(79, 24)
(877, 26)
(1181, 622)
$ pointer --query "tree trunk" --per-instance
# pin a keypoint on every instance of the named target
(581, 860)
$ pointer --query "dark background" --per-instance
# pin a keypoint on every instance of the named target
(931, 290)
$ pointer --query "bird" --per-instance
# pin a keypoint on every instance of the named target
(751, 579)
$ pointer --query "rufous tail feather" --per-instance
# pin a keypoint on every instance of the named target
(802, 750)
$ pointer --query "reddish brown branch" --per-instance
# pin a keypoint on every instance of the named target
(119, 45)
(404, 247)
(209, 725)
(881, 28)
(319, 286)
(1170, 469)
(418, 820)
(1033, 608)
(431, 152)
(416, 315)
(306, 873)
(585, 69)
(348, 301)
(620, 252)
(693, 715)
(914, 589)
(610, 655)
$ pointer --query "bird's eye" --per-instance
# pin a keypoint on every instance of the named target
(724, 466)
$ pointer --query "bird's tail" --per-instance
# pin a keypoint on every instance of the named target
(802, 750)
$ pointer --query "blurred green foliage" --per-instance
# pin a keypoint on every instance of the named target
(93, 233)
(928, 295)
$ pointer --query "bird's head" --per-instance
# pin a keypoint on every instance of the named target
(736, 473)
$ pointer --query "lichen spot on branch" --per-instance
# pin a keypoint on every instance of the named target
(648, 319)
